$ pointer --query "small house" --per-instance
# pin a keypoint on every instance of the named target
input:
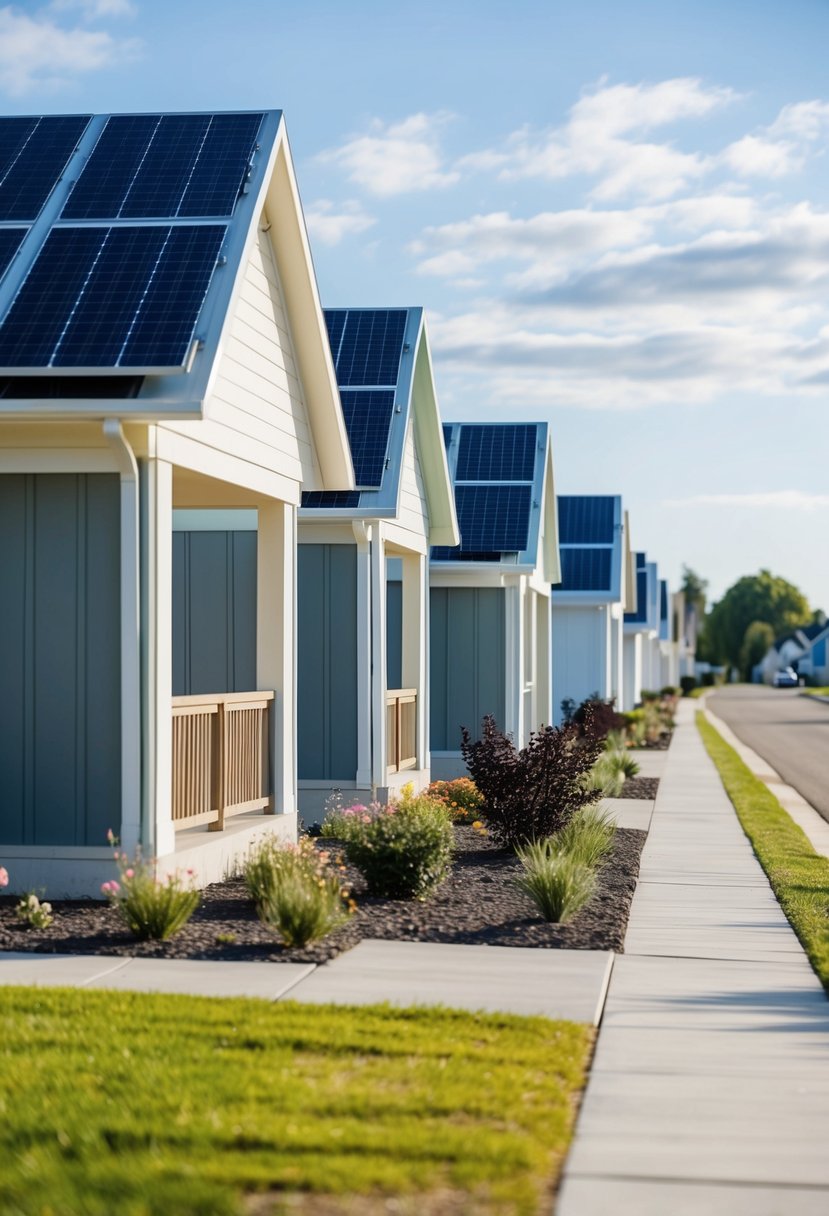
(641, 630)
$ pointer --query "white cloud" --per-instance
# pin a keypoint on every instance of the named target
(603, 139)
(773, 500)
(784, 146)
(35, 52)
(329, 223)
(396, 158)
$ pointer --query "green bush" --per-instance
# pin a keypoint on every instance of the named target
(588, 837)
(687, 684)
(670, 690)
(295, 891)
(154, 909)
(403, 850)
(649, 694)
(606, 776)
(558, 884)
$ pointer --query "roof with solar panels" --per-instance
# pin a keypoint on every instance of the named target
(384, 372)
(502, 474)
(123, 241)
(646, 617)
(591, 532)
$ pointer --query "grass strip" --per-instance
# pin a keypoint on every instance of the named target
(146, 1105)
(798, 875)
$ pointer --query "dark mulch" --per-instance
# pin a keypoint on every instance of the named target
(657, 745)
(477, 903)
(639, 787)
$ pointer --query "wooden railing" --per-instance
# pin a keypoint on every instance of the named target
(220, 757)
(401, 729)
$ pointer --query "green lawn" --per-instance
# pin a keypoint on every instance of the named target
(816, 692)
(798, 875)
(165, 1105)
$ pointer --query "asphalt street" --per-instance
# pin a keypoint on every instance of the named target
(790, 732)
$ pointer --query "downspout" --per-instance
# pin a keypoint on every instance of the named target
(130, 830)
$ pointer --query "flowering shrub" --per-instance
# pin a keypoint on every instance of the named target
(462, 797)
(403, 850)
(34, 912)
(4, 877)
(154, 909)
(295, 890)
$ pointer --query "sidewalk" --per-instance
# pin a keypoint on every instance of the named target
(709, 1093)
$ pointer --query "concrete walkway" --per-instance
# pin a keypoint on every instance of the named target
(709, 1093)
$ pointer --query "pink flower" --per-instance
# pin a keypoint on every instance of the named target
(4, 877)
(110, 888)
(129, 873)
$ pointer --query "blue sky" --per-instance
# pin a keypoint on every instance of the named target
(615, 216)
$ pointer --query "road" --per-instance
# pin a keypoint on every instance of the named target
(790, 732)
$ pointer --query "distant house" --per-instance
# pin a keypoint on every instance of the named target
(490, 596)
(814, 662)
(669, 638)
(162, 346)
(641, 635)
(589, 603)
(788, 650)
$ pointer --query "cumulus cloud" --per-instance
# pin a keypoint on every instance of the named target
(93, 10)
(36, 52)
(772, 500)
(396, 158)
(784, 146)
(330, 223)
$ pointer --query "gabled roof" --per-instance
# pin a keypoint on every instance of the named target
(802, 635)
(646, 617)
(503, 481)
(384, 372)
(590, 543)
(123, 243)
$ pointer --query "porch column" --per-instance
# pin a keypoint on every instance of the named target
(276, 642)
(514, 659)
(544, 666)
(414, 671)
(156, 481)
(362, 534)
(379, 776)
(616, 658)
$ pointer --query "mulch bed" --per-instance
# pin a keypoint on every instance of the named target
(477, 904)
(639, 787)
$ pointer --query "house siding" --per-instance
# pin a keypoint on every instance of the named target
(581, 655)
(467, 680)
(256, 408)
(214, 612)
(327, 662)
(413, 515)
(60, 694)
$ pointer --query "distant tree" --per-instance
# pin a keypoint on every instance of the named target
(762, 597)
(695, 589)
(756, 641)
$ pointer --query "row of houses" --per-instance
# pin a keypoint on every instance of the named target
(244, 561)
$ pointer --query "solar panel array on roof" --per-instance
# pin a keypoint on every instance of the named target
(585, 520)
(111, 297)
(640, 616)
(367, 344)
(344, 499)
(585, 569)
(496, 453)
(118, 293)
(163, 165)
(33, 155)
(493, 517)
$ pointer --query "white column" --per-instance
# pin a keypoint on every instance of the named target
(157, 611)
(362, 535)
(276, 641)
(514, 660)
(378, 662)
(414, 644)
(544, 665)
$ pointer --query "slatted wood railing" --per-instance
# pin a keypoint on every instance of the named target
(220, 757)
(401, 729)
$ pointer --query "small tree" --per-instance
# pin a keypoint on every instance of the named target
(756, 641)
(532, 793)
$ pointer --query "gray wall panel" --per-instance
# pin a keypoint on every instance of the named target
(214, 612)
(60, 658)
(327, 662)
(467, 666)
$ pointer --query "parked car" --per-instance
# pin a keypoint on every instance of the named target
(786, 678)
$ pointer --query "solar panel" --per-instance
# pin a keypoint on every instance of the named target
(368, 415)
(442, 553)
(33, 155)
(493, 518)
(585, 520)
(10, 240)
(369, 347)
(112, 297)
(335, 324)
(663, 600)
(585, 570)
(641, 613)
(346, 499)
(159, 166)
(497, 453)
(447, 429)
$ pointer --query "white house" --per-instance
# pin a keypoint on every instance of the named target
(641, 629)
(590, 601)
(162, 346)
(490, 596)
